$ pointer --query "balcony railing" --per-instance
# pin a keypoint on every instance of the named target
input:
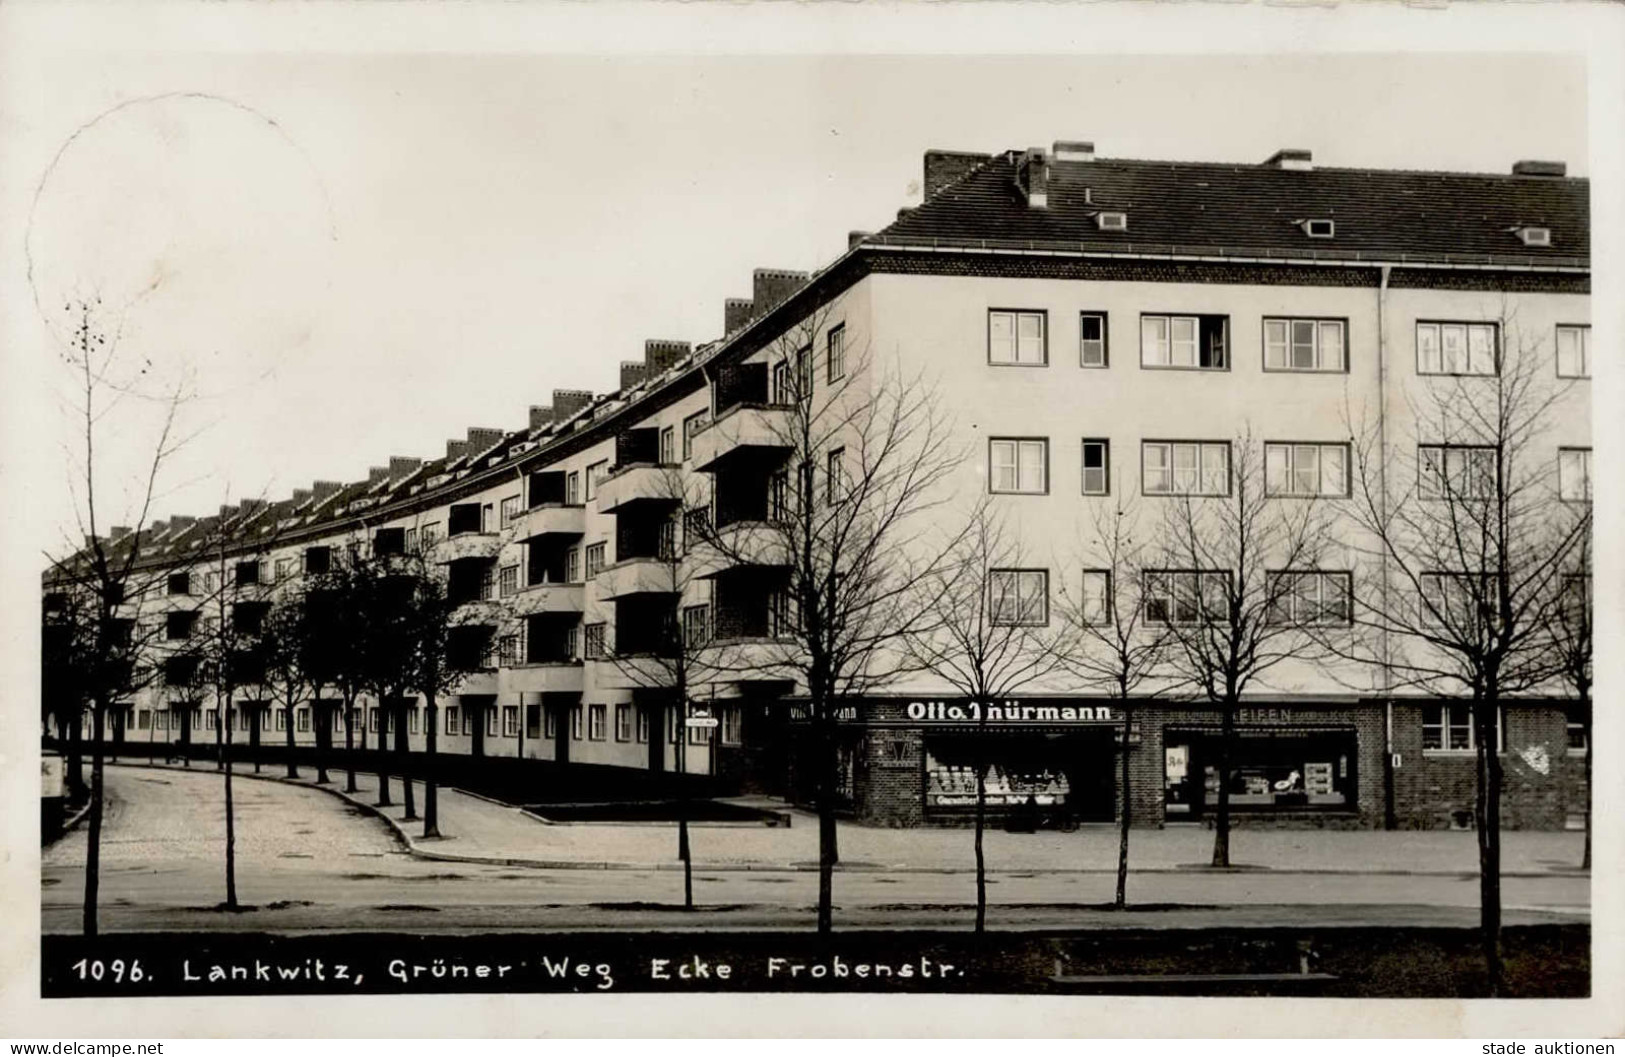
(637, 576)
(639, 483)
(550, 598)
(552, 519)
(484, 545)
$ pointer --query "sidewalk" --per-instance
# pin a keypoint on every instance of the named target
(479, 830)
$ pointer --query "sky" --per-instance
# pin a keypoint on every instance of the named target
(352, 255)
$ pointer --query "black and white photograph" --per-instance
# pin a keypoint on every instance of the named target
(864, 505)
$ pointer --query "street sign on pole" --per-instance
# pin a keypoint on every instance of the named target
(702, 722)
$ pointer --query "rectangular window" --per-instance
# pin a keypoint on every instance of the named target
(1017, 338)
(510, 721)
(575, 722)
(1018, 597)
(178, 625)
(1573, 352)
(572, 565)
(429, 536)
(318, 560)
(641, 719)
(510, 510)
(593, 642)
(781, 383)
(1574, 474)
(1097, 467)
(596, 553)
(1185, 467)
(731, 725)
(1194, 342)
(508, 580)
(1306, 469)
(282, 719)
(1096, 601)
(302, 720)
(835, 354)
(692, 425)
(1456, 348)
(1461, 602)
(550, 723)
(1092, 340)
(508, 651)
(1018, 465)
(490, 721)
(668, 446)
(1304, 345)
(572, 488)
(596, 719)
(1447, 471)
(1182, 597)
(623, 722)
(834, 476)
(1311, 597)
(778, 497)
(284, 569)
(696, 625)
(1449, 728)
(674, 724)
(180, 583)
(1577, 735)
(595, 476)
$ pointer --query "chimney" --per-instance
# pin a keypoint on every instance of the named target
(1074, 150)
(377, 473)
(90, 540)
(402, 466)
(904, 212)
(567, 402)
(736, 312)
(118, 532)
(158, 528)
(632, 372)
(539, 416)
(1539, 168)
(181, 523)
(227, 513)
(944, 167)
(1032, 176)
(323, 489)
(480, 438)
(1290, 158)
(660, 354)
(853, 238)
(456, 449)
(250, 506)
(301, 496)
(772, 286)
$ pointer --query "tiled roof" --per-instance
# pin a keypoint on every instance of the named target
(1254, 210)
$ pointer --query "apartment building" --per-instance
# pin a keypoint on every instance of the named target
(1097, 329)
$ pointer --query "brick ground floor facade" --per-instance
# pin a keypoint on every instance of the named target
(1308, 763)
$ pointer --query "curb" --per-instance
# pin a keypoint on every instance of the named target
(412, 847)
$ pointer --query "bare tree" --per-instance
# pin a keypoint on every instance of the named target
(990, 636)
(1234, 558)
(285, 649)
(430, 670)
(337, 607)
(831, 528)
(1118, 650)
(107, 573)
(1464, 557)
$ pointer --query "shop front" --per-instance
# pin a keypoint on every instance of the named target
(1279, 770)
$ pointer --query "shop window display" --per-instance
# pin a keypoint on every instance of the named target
(1280, 773)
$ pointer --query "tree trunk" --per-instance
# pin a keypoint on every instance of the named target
(323, 720)
(349, 743)
(826, 829)
(1487, 809)
(383, 745)
(981, 819)
(1221, 821)
(231, 821)
(253, 715)
(403, 750)
(1127, 812)
(683, 851)
(76, 756)
(93, 850)
(431, 799)
(293, 766)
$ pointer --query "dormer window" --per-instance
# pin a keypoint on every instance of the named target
(1112, 221)
(1318, 229)
(1533, 236)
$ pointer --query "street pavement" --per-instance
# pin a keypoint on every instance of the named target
(309, 860)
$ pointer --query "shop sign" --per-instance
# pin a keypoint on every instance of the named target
(1264, 716)
(1006, 712)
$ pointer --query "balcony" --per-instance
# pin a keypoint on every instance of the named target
(640, 483)
(741, 545)
(632, 673)
(743, 431)
(481, 681)
(483, 545)
(550, 598)
(562, 678)
(552, 519)
(637, 576)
